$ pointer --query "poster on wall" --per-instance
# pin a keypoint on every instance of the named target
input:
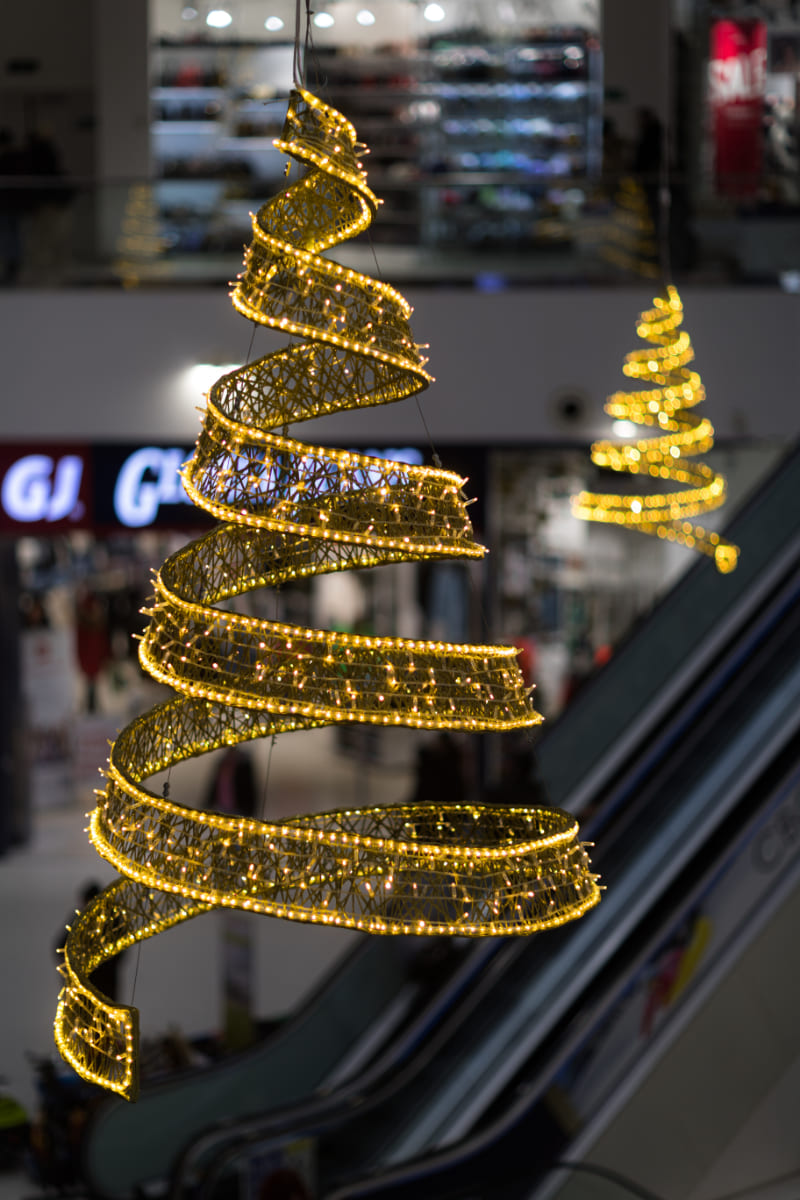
(697, 943)
(737, 77)
(285, 1169)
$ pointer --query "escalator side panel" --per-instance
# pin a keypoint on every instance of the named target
(705, 1082)
(129, 1145)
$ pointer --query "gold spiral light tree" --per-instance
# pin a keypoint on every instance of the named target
(672, 391)
(289, 510)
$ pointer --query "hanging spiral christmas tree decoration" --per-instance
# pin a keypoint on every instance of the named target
(665, 404)
(287, 510)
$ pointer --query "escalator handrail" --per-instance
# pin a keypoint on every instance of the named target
(703, 691)
(781, 889)
(312, 1111)
(209, 1080)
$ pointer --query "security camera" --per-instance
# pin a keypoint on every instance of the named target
(570, 408)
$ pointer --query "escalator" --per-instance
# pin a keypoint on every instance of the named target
(380, 994)
(488, 1090)
(586, 1089)
(669, 673)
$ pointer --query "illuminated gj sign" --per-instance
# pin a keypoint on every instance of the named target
(737, 78)
(48, 489)
(147, 479)
(40, 487)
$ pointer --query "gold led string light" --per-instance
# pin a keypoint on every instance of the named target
(289, 510)
(682, 434)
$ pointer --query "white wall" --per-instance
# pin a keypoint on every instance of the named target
(716, 1080)
(113, 365)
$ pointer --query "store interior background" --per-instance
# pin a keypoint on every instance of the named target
(528, 327)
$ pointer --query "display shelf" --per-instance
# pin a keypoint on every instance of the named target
(187, 93)
(176, 127)
(469, 142)
(526, 117)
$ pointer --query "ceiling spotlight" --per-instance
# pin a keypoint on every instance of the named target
(433, 12)
(188, 13)
(273, 24)
(323, 20)
(218, 18)
(365, 17)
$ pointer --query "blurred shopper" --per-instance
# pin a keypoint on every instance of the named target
(12, 203)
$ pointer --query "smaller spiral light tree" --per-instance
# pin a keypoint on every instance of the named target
(288, 510)
(665, 404)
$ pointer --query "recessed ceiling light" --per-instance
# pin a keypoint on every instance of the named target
(365, 17)
(273, 24)
(218, 18)
(323, 20)
(188, 13)
(433, 12)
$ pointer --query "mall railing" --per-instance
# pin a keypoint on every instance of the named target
(485, 229)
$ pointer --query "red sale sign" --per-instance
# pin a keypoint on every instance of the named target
(737, 74)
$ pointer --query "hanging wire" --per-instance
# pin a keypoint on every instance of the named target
(304, 50)
(273, 739)
(616, 1177)
(664, 191)
(265, 793)
(297, 64)
(437, 462)
(475, 590)
(136, 971)
(308, 49)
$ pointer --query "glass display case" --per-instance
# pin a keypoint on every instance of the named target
(472, 142)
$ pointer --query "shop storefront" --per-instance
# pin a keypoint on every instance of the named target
(738, 137)
(81, 527)
(84, 525)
